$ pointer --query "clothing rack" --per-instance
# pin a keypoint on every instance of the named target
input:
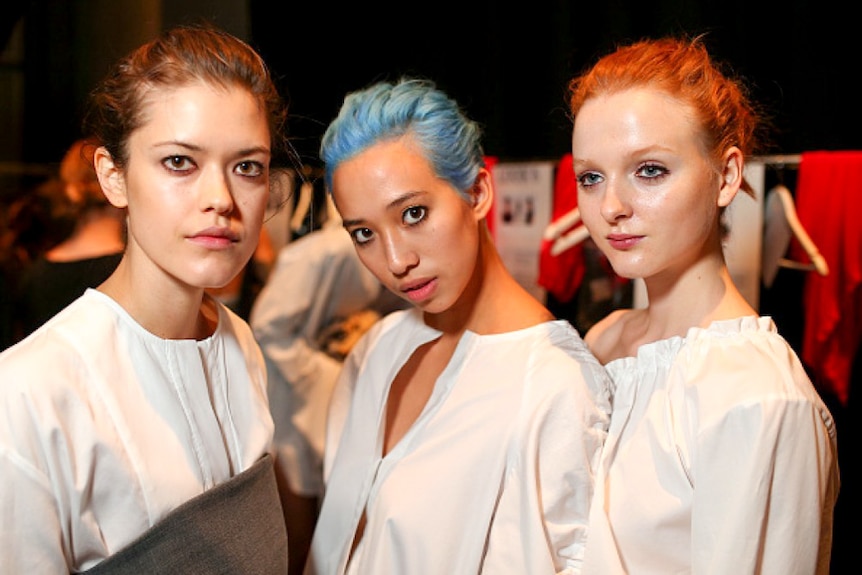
(779, 159)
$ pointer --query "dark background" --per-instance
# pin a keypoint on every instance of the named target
(507, 66)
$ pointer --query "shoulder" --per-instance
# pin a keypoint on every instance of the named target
(233, 327)
(57, 360)
(555, 357)
(550, 345)
(32, 360)
(744, 368)
(743, 356)
(88, 319)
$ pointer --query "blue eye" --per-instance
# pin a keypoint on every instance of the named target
(588, 179)
(413, 215)
(652, 171)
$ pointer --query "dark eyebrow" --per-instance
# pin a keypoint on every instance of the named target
(347, 224)
(255, 150)
(195, 148)
(403, 199)
(177, 143)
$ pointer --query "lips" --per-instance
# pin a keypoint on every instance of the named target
(623, 241)
(215, 238)
(419, 290)
(218, 233)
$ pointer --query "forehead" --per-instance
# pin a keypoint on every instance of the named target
(385, 177)
(204, 109)
(634, 117)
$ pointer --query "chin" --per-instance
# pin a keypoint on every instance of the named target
(627, 271)
(216, 282)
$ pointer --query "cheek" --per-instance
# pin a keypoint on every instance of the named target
(150, 210)
(149, 191)
(456, 241)
(695, 208)
(250, 203)
(374, 259)
(253, 207)
(253, 195)
(590, 209)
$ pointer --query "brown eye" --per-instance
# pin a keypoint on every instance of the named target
(178, 163)
(361, 235)
(249, 169)
(413, 215)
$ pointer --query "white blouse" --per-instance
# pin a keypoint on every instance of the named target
(316, 280)
(495, 475)
(106, 428)
(720, 458)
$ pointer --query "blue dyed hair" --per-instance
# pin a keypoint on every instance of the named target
(386, 111)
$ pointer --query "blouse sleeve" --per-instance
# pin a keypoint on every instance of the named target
(545, 504)
(32, 531)
(762, 460)
(30, 534)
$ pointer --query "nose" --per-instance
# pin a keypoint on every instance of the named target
(215, 194)
(614, 204)
(400, 256)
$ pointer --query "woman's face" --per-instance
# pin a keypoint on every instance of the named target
(411, 229)
(647, 191)
(197, 184)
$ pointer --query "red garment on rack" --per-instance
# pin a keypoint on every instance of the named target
(828, 203)
(562, 274)
(490, 162)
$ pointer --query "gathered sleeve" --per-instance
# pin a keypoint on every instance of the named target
(762, 459)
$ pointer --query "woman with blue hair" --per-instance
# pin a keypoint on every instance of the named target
(462, 432)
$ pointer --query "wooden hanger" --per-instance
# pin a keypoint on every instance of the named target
(818, 263)
(564, 241)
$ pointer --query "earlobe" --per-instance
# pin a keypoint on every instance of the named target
(732, 176)
(483, 194)
(110, 178)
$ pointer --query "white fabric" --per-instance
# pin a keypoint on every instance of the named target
(495, 475)
(106, 428)
(316, 280)
(719, 459)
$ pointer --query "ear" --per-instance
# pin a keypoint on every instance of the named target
(111, 178)
(483, 193)
(731, 176)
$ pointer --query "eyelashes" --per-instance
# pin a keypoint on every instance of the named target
(410, 216)
(182, 164)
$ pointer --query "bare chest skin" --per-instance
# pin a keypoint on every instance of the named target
(413, 386)
(408, 395)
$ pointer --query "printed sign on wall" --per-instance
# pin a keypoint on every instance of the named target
(522, 211)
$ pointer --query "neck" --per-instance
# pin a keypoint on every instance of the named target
(493, 302)
(703, 294)
(146, 295)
